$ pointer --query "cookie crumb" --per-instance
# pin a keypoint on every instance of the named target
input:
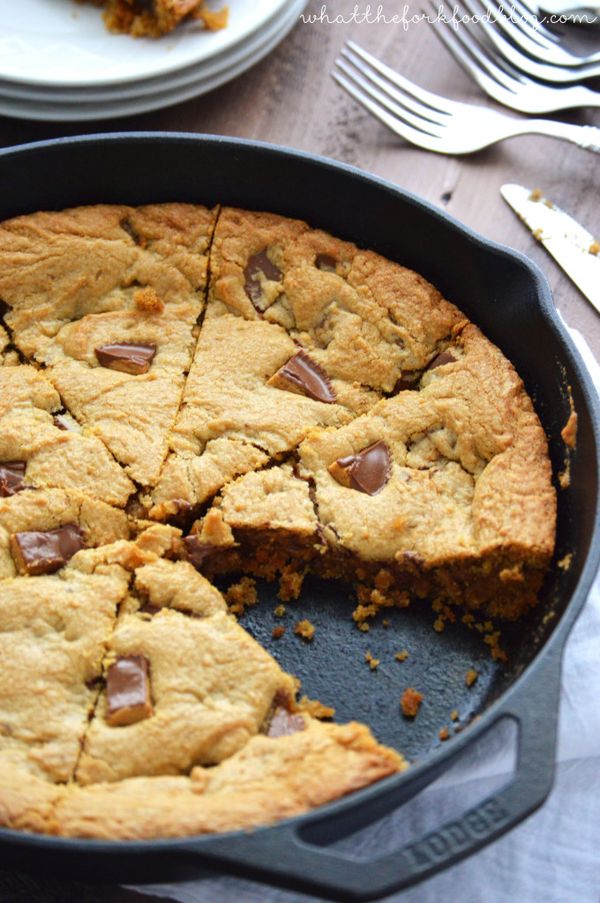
(471, 676)
(315, 708)
(454, 715)
(371, 661)
(277, 632)
(241, 595)
(410, 702)
(444, 733)
(386, 623)
(279, 611)
(565, 562)
(147, 300)
(363, 626)
(305, 629)
(401, 656)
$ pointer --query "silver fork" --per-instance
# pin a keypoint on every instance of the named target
(506, 84)
(540, 70)
(528, 32)
(434, 122)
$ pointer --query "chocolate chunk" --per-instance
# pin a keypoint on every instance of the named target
(197, 551)
(128, 691)
(302, 375)
(182, 512)
(148, 609)
(444, 357)
(368, 471)
(257, 264)
(408, 380)
(284, 723)
(326, 262)
(128, 357)
(43, 553)
(11, 477)
(65, 422)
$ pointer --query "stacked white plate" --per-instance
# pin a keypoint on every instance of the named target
(58, 62)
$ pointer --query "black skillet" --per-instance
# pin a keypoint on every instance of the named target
(507, 297)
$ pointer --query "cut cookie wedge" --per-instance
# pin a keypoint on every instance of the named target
(232, 419)
(464, 510)
(270, 778)
(84, 279)
(364, 320)
(51, 446)
(41, 529)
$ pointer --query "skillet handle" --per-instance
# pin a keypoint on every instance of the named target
(285, 856)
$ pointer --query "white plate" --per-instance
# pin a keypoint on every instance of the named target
(80, 112)
(60, 42)
(180, 78)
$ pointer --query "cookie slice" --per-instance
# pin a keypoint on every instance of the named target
(270, 778)
(238, 409)
(184, 683)
(366, 321)
(107, 298)
(53, 635)
(49, 445)
(444, 490)
(42, 529)
(264, 523)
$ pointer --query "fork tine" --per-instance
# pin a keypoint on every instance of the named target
(384, 98)
(485, 72)
(535, 23)
(440, 104)
(400, 128)
(405, 99)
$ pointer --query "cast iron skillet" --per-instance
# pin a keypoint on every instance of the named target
(508, 298)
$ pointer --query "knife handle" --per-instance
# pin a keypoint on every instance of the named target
(586, 136)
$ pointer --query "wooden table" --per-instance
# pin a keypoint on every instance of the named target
(290, 99)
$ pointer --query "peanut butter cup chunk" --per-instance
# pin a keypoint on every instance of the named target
(11, 477)
(301, 374)
(258, 268)
(38, 552)
(325, 262)
(43, 528)
(284, 723)
(128, 690)
(367, 471)
(444, 357)
(127, 357)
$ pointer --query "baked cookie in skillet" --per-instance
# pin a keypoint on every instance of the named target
(186, 393)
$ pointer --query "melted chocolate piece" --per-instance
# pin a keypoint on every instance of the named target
(301, 374)
(128, 691)
(183, 514)
(128, 357)
(444, 357)
(11, 477)
(257, 264)
(284, 723)
(368, 471)
(407, 381)
(148, 609)
(325, 262)
(43, 553)
(197, 551)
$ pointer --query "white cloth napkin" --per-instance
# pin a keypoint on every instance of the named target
(553, 857)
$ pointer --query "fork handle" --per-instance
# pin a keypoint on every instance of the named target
(586, 136)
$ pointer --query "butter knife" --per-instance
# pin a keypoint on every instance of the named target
(573, 247)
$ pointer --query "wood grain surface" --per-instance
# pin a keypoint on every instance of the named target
(290, 99)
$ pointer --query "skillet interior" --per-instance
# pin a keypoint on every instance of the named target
(500, 292)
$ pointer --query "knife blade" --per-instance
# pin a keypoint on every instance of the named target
(573, 247)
